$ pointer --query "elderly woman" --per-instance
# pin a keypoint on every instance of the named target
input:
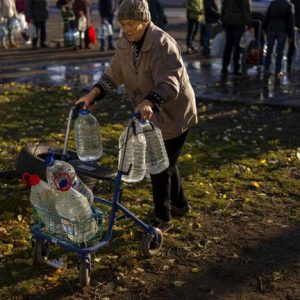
(148, 62)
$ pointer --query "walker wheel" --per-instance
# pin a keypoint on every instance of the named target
(84, 272)
(152, 244)
(40, 251)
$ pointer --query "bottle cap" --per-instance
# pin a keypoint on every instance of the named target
(49, 160)
(84, 112)
(62, 182)
(31, 180)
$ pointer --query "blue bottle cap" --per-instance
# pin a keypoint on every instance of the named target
(49, 160)
(84, 112)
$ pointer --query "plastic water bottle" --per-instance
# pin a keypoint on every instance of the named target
(75, 213)
(132, 153)
(156, 155)
(57, 168)
(87, 136)
(43, 199)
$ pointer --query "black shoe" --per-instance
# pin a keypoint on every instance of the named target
(237, 73)
(111, 48)
(44, 46)
(180, 211)
(164, 226)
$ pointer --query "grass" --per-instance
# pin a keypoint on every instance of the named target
(239, 161)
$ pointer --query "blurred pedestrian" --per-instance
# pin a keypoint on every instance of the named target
(212, 17)
(82, 27)
(20, 6)
(67, 14)
(195, 16)
(158, 16)
(279, 26)
(107, 11)
(37, 13)
(8, 13)
(85, 7)
(293, 41)
(235, 16)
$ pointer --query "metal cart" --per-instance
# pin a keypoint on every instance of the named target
(42, 238)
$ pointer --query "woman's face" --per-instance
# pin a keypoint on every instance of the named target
(133, 30)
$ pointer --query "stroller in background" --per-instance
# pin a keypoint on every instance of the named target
(251, 46)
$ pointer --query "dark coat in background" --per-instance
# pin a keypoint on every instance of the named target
(280, 17)
(107, 8)
(236, 12)
(296, 4)
(36, 10)
(157, 13)
(212, 11)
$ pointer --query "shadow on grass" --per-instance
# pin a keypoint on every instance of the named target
(254, 270)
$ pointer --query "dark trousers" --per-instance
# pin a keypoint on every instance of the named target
(208, 30)
(192, 31)
(166, 186)
(281, 39)
(40, 31)
(233, 36)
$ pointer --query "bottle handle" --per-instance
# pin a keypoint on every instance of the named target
(25, 178)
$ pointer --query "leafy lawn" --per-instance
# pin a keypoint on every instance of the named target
(241, 175)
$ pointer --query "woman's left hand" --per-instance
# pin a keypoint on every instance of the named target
(145, 108)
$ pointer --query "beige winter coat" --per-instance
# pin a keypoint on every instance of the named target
(159, 69)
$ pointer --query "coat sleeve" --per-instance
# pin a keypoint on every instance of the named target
(167, 70)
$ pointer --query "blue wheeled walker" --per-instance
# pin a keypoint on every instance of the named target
(72, 239)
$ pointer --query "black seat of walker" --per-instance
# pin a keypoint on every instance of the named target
(92, 169)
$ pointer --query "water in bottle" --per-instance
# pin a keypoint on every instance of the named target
(57, 167)
(156, 155)
(75, 213)
(43, 199)
(132, 153)
(87, 136)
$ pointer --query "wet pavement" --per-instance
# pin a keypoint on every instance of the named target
(80, 69)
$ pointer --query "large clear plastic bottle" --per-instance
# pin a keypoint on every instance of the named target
(156, 155)
(87, 136)
(43, 199)
(132, 153)
(75, 213)
(57, 167)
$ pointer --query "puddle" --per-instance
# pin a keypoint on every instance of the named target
(204, 76)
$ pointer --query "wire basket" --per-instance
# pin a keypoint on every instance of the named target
(70, 231)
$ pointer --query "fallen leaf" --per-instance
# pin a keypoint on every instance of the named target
(178, 283)
(195, 270)
(255, 184)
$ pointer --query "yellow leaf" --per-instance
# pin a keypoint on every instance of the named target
(224, 196)
(255, 184)
(263, 161)
(20, 218)
(97, 259)
(248, 170)
(188, 156)
(195, 270)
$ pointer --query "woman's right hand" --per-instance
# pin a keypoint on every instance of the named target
(88, 101)
(89, 98)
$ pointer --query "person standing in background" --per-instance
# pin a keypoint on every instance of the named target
(195, 16)
(107, 10)
(8, 12)
(37, 12)
(212, 17)
(85, 6)
(235, 16)
(20, 6)
(278, 25)
(157, 13)
(292, 44)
